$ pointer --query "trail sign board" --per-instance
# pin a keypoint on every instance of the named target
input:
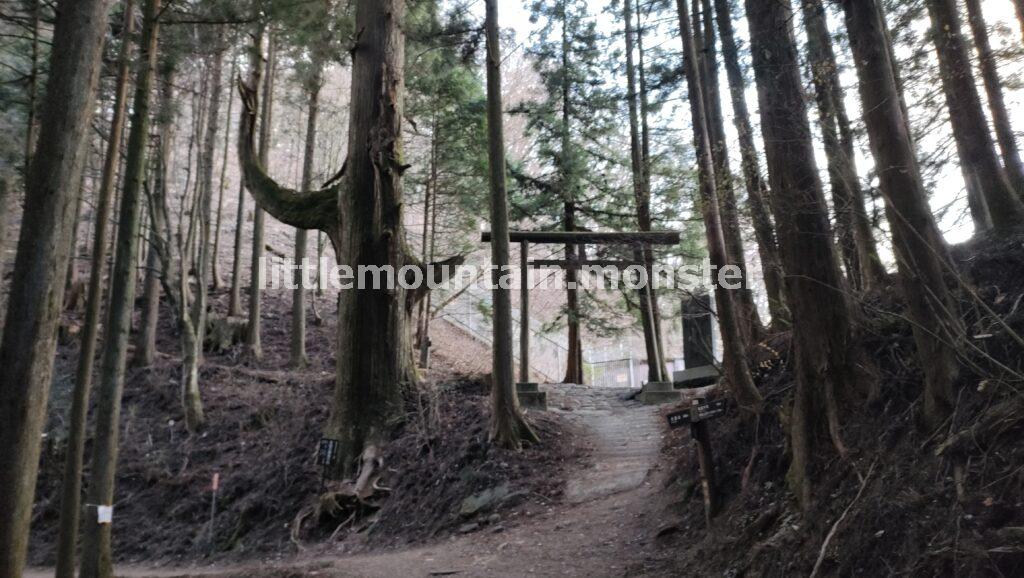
(700, 412)
(327, 453)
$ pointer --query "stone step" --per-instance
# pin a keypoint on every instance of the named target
(527, 387)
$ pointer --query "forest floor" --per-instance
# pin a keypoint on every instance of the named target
(608, 492)
(607, 526)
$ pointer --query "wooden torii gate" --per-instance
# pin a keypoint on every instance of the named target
(578, 260)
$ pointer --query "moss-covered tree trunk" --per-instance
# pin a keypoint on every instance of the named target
(37, 291)
(978, 159)
(96, 554)
(736, 369)
(71, 486)
(757, 188)
(822, 331)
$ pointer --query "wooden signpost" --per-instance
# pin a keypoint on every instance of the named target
(697, 418)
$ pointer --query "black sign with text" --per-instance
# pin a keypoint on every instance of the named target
(327, 452)
(698, 413)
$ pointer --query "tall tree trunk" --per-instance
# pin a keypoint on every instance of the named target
(996, 102)
(5, 200)
(298, 344)
(707, 66)
(149, 317)
(737, 372)
(644, 217)
(71, 487)
(216, 279)
(822, 330)
(508, 428)
(191, 399)
(570, 181)
(37, 292)
(253, 341)
(429, 224)
(96, 555)
(978, 159)
(757, 188)
(1019, 5)
(922, 256)
(643, 205)
(374, 346)
(856, 242)
(235, 298)
(32, 86)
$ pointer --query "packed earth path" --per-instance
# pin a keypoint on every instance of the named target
(606, 526)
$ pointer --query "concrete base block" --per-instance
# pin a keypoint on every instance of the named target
(530, 397)
(695, 377)
(660, 397)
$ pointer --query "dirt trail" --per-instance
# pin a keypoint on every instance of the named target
(606, 528)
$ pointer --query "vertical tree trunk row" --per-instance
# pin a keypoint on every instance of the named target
(736, 369)
(707, 66)
(757, 188)
(921, 252)
(856, 241)
(643, 209)
(37, 291)
(996, 101)
(822, 332)
(96, 552)
(978, 159)
(71, 486)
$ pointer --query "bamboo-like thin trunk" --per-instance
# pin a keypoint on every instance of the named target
(96, 554)
(71, 486)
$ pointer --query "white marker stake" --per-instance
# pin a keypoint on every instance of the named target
(104, 514)
(214, 486)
